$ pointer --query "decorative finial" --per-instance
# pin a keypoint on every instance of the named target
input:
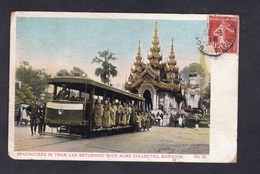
(139, 46)
(172, 50)
(155, 46)
(156, 29)
(139, 57)
(156, 26)
(172, 45)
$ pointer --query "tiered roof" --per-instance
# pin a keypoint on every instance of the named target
(155, 48)
(161, 75)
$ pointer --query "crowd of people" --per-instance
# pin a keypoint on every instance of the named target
(177, 121)
(112, 114)
(170, 119)
(36, 112)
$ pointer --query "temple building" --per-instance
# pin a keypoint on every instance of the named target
(192, 92)
(158, 82)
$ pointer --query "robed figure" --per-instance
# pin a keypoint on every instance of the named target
(98, 113)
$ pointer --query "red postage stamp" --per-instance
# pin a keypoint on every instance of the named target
(223, 33)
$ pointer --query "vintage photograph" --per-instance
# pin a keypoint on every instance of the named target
(123, 87)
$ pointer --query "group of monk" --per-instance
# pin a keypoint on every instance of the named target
(112, 114)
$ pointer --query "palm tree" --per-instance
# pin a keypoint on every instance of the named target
(107, 69)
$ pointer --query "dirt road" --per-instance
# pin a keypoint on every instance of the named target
(157, 140)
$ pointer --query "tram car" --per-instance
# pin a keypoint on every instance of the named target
(73, 101)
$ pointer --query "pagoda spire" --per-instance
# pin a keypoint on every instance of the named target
(138, 65)
(172, 55)
(155, 56)
(155, 37)
(139, 51)
(138, 56)
(171, 69)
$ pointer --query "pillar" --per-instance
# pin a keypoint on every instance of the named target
(154, 102)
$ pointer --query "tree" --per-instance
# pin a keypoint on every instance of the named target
(205, 97)
(76, 71)
(107, 69)
(35, 80)
(193, 67)
(63, 72)
(24, 94)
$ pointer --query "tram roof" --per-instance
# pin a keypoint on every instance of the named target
(88, 81)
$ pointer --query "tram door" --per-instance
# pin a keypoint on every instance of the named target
(88, 101)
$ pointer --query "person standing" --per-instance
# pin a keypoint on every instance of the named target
(98, 113)
(175, 120)
(180, 121)
(171, 124)
(134, 117)
(106, 116)
(32, 111)
(114, 107)
(129, 116)
(119, 115)
(41, 111)
(125, 115)
(143, 118)
(112, 115)
(147, 121)
(183, 122)
(138, 121)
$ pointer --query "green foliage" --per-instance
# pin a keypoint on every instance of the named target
(33, 82)
(63, 72)
(75, 72)
(193, 67)
(107, 69)
(205, 97)
(24, 94)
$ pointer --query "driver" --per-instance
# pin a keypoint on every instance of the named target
(63, 94)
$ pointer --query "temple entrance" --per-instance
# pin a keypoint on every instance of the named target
(148, 100)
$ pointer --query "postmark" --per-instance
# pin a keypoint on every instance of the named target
(222, 36)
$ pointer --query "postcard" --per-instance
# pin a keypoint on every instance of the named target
(123, 87)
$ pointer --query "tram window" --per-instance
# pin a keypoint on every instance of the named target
(74, 95)
(70, 94)
(96, 97)
(85, 95)
(50, 91)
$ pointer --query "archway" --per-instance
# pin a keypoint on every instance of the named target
(148, 100)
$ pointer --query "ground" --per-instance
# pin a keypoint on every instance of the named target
(157, 140)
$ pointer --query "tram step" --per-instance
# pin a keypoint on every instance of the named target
(112, 128)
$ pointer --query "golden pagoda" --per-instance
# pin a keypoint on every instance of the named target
(171, 69)
(139, 65)
(155, 57)
(138, 60)
(156, 81)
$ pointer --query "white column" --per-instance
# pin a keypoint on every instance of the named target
(157, 100)
(154, 101)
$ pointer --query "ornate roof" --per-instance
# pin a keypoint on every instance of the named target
(161, 75)
(172, 56)
(155, 48)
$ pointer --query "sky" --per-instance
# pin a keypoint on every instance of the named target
(62, 43)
